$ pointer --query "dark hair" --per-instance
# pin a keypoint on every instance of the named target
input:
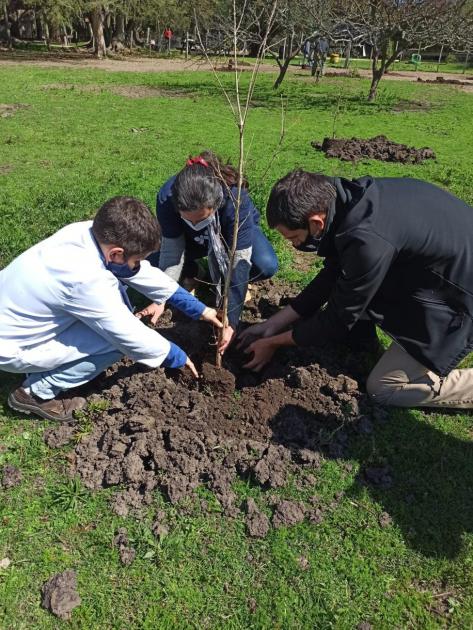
(298, 195)
(198, 186)
(127, 222)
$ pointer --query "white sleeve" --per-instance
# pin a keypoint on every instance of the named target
(152, 282)
(99, 305)
(171, 256)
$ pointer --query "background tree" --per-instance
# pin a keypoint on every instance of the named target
(391, 27)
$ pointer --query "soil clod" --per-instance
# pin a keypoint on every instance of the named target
(288, 513)
(11, 476)
(59, 594)
(257, 523)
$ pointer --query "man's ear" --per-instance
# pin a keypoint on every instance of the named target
(317, 223)
(116, 254)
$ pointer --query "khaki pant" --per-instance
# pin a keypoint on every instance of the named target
(399, 380)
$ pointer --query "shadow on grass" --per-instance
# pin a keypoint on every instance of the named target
(426, 480)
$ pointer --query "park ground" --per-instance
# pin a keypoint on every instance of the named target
(72, 137)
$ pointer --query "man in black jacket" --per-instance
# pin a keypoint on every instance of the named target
(398, 252)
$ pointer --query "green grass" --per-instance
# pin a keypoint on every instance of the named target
(64, 154)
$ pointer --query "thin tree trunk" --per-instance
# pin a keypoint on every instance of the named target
(376, 78)
(467, 59)
(282, 73)
(439, 59)
(100, 49)
(348, 54)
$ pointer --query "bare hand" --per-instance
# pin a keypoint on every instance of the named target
(210, 315)
(250, 334)
(152, 310)
(263, 351)
(226, 339)
(192, 368)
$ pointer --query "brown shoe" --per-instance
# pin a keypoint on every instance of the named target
(59, 409)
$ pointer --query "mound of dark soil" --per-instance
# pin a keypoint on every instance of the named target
(377, 148)
(443, 81)
(167, 432)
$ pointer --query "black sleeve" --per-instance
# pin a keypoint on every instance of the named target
(365, 259)
(317, 292)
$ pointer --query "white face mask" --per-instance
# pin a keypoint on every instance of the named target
(201, 224)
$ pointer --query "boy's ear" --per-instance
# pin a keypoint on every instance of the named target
(116, 252)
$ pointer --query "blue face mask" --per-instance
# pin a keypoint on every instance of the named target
(201, 225)
(122, 270)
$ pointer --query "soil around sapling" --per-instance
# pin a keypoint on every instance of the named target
(166, 432)
(377, 148)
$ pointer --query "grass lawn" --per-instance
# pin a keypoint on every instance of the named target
(77, 138)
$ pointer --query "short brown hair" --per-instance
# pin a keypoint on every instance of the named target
(297, 196)
(128, 223)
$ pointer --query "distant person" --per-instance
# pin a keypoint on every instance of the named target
(399, 254)
(167, 34)
(196, 212)
(306, 53)
(319, 57)
(65, 315)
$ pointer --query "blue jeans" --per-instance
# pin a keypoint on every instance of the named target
(49, 384)
(264, 262)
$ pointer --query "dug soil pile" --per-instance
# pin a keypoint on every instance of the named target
(165, 431)
(377, 148)
(443, 81)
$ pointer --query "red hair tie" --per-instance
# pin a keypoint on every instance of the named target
(197, 160)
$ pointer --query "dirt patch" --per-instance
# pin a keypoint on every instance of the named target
(144, 91)
(406, 105)
(444, 81)
(10, 109)
(60, 435)
(5, 169)
(377, 148)
(128, 91)
(443, 598)
(11, 476)
(163, 431)
(59, 594)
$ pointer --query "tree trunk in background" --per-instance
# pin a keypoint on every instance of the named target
(119, 32)
(348, 54)
(129, 34)
(108, 30)
(96, 19)
(7, 25)
(39, 26)
(377, 75)
(282, 72)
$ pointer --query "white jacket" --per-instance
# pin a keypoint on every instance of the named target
(59, 303)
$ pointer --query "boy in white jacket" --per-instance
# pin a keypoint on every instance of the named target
(65, 315)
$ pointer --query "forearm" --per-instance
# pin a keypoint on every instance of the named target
(283, 318)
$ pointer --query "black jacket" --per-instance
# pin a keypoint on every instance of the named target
(400, 251)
